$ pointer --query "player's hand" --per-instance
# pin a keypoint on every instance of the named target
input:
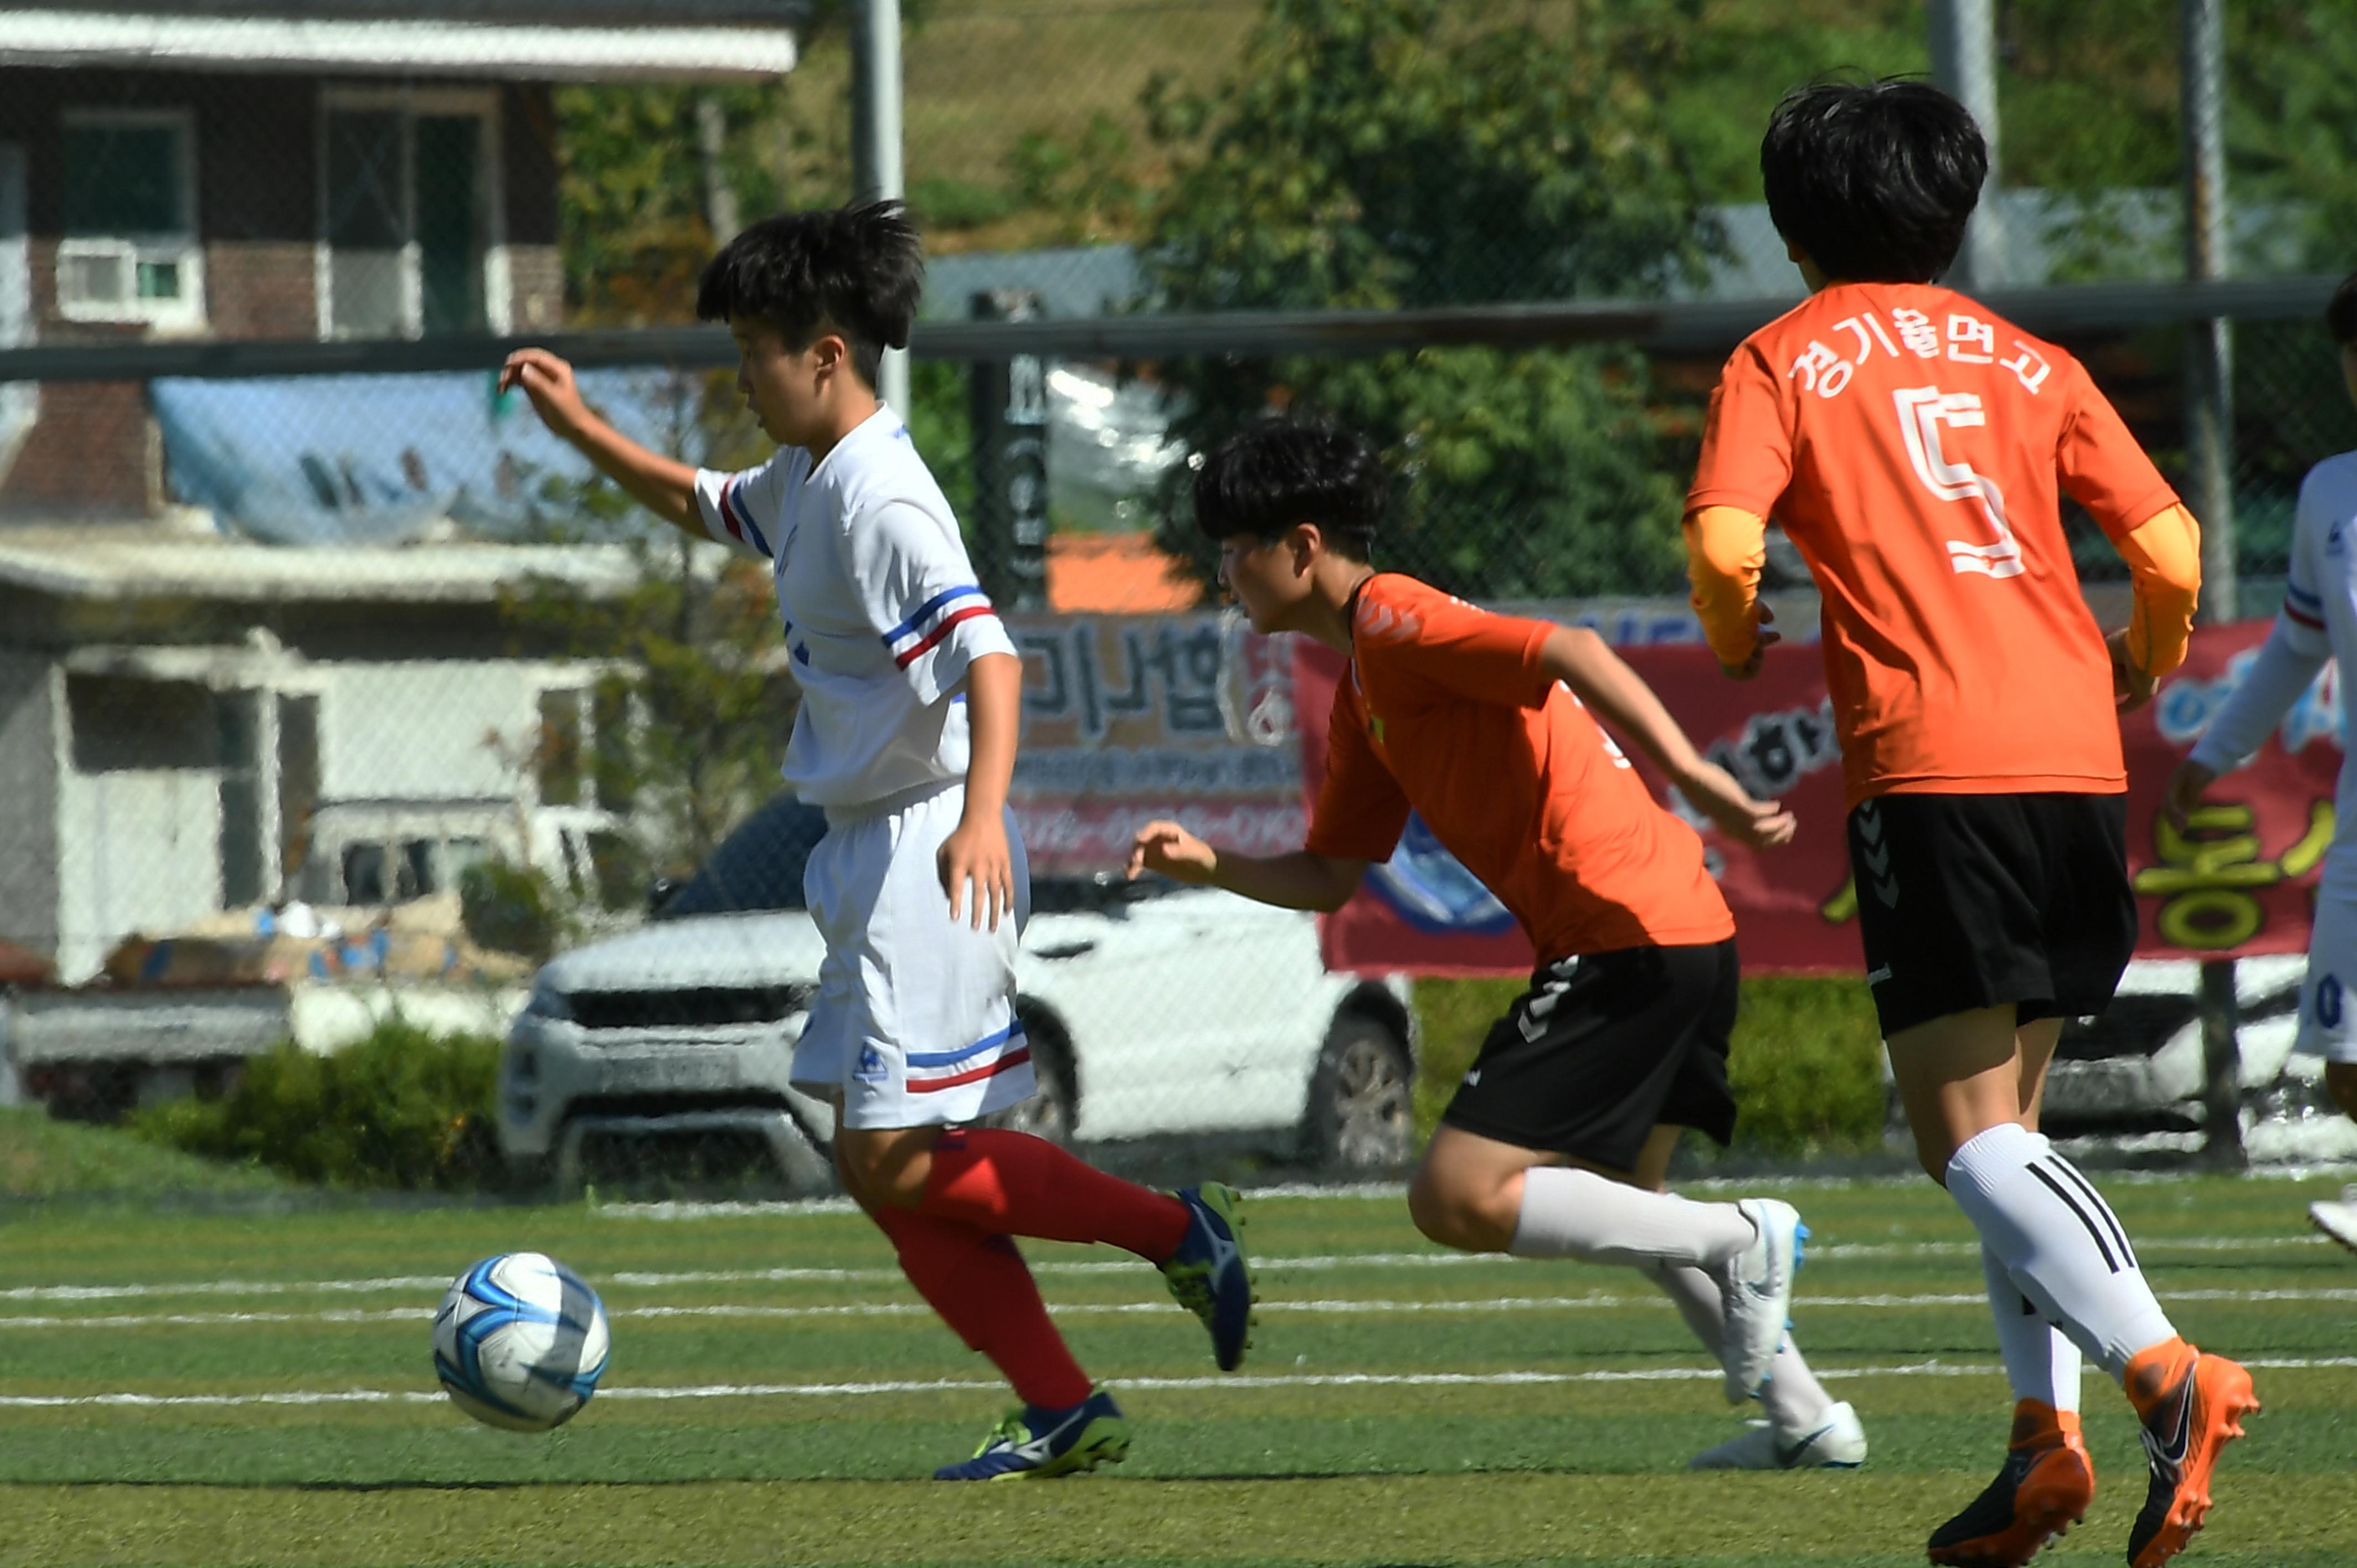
(1761, 824)
(1175, 852)
(976, 858)
(548, 382)
(2182, 793)
(2131, 687)
(1762, 640)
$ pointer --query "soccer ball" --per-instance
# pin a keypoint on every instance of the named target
(520, 1342)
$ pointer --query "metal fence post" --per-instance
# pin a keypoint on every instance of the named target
(1010, 462)
(876, 168)
(2209, 463)
(1963, 62)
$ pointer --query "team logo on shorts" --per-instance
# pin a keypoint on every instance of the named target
(1875, 855)
(871, 1067)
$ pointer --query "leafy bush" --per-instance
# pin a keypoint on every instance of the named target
(1806, 1063)
(1807, 1068)
(401, 1109)
(510, 909)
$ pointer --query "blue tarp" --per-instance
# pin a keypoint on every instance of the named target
(378, 459)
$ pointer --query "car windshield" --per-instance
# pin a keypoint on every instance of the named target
(759, 867)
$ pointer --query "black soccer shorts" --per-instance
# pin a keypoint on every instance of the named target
(1970, 901)
(1604, 1047)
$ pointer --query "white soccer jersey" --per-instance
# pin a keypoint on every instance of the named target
(882, 611)
(2318, 621)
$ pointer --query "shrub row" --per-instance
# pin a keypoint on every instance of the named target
(1806, 1063)
(401, 1109)
(406, 1110)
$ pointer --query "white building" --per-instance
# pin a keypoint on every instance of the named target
(193, 724)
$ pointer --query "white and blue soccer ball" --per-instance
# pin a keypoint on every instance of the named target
(520, 1342)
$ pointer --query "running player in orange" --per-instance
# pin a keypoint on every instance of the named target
(1912, 443)
(1556, 1143)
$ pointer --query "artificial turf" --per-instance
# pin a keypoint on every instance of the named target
(1399, 1406)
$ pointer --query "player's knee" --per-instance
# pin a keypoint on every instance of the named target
(1933, 1150)
(1448, 1213)
(2341, 1082)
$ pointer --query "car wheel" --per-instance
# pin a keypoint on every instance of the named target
(1052, 1112)
(1361, 1116)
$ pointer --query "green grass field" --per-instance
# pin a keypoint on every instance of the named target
(235, 1387)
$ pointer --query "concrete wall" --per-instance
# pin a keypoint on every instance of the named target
(425, 730)
(140, 852)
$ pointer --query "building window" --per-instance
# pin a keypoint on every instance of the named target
(128, 248)
(408, 210)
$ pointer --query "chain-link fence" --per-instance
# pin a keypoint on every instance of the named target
(327, 699)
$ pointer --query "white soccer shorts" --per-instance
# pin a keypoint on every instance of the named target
(2328, 997)
(914, 1020)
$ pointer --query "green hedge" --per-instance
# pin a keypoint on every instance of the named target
(1806, 1065)
(401, 1109)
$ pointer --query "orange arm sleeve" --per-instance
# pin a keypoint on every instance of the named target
(2164, 557)
(1724, 548)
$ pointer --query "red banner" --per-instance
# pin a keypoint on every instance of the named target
(2238, 883)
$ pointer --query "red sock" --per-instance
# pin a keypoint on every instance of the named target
(980, 1288)
(1013, 1183)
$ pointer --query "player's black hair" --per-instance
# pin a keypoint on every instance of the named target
(856, 271)
(1270, 475)
(2340, 314)
(1874, 180)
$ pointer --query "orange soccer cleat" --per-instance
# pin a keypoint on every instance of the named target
(2044, 1489)
(2192, 1406)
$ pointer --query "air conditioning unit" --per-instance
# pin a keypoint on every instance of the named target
(97, 272)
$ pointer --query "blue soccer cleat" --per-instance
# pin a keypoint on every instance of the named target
(1033, 1443)
(1209, 1275)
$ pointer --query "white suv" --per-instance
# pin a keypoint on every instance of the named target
(1158, 1015)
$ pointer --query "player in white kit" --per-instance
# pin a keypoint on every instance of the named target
(2318, 621)
(911, 695)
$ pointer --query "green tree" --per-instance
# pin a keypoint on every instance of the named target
(1378, 154)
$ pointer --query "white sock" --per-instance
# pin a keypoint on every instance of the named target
(1578, 1214)
(2041, 1363)
(1795, 1402)
(2061, 1242)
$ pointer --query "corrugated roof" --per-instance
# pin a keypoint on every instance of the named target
(613, 42)
(118, 564)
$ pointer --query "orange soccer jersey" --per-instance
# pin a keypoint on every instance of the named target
(1447, 710)
(1912, 443)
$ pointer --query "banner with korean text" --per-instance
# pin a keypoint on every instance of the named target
(1128, 718)
(2238, 881)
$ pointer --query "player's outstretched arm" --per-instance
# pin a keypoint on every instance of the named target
(2287, 666)
(2164, 557)
(1297, 881)
(663, 486)
(1725, 549)
(1615, 693)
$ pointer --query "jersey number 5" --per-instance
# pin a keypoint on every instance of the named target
(1922, 411)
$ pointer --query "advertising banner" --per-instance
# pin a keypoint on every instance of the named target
(2238, 881)
(1128, 718)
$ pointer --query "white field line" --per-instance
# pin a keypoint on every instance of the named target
(1306, 1263)
(1342, 1307)
(791, 1208)
(1230, 1382)
(1396, 1191)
